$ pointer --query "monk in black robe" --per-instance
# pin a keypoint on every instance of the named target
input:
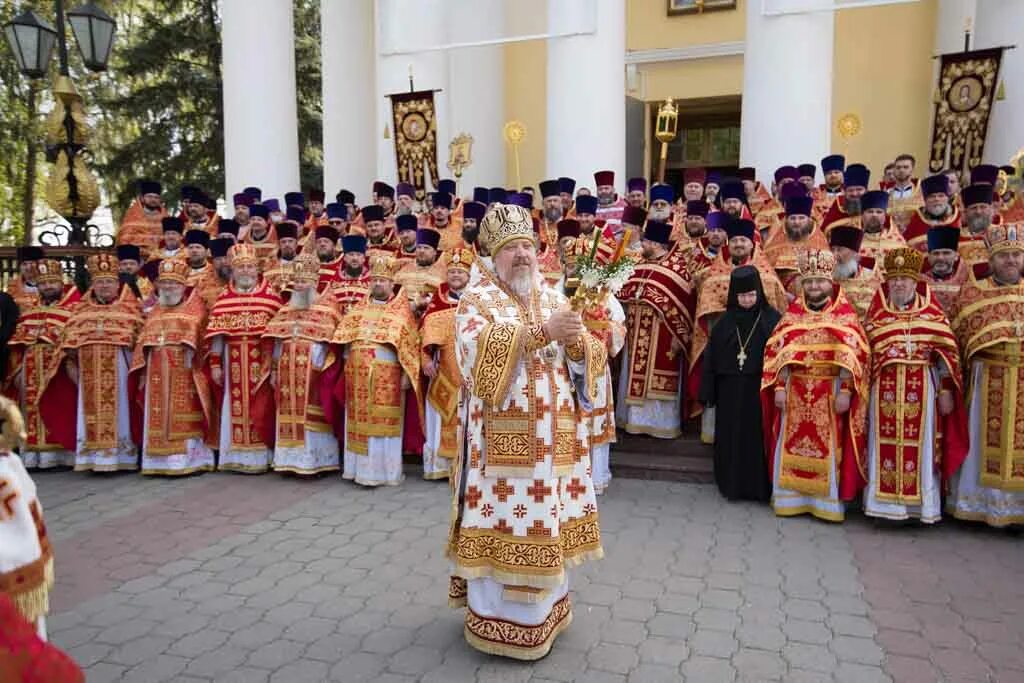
(731, 382)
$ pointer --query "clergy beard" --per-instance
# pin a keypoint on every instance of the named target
(244, 283)
(553, 214)
(424, 260)
(519, 280)
(302, 300)
(978, 223)
(942, 269)
(844, 271)
(853, 206)
(325, 257)
(938, 216)
(353, 272)
(169, 299)
(816, 304)
(796, 234)
(660, 214)
(872, 225)
(469, 235)
(224, 272)
(901, 301)
(197, 263)
(50, 298)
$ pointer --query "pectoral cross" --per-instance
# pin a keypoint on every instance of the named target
(1018, 328)
(163, 338)
(295, 329)
(741, 358)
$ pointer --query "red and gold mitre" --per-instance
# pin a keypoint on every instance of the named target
(384, 266)
(305, 268)
(174, 270)
(1005, 237)
(48, 270)
(460, 258)
(102, 266)
(816, 263)
(504, 223)
(243, 253)
(903, 262)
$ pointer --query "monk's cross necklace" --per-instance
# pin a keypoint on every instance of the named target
(741, 357)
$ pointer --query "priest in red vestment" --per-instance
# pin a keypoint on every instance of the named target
(814, 398)
(938, 209)
(239, 361)
(917, 425)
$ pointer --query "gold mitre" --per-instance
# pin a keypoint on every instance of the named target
(102, 266)
(460, 259)
(243, 253)
(504, 223)
(174, 270)
(903, 262)
(384, 266)
(816, 263)
(1005, 237)
(48, 270)
(305, 268)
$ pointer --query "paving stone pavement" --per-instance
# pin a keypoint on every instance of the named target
(237, 578)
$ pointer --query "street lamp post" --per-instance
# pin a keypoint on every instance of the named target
(73, 192)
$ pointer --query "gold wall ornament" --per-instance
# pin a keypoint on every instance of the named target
(515, 132)
(460, 155)
(849, 125)
(665, 131)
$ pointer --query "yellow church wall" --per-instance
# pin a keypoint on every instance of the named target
(648, 26)
(526, 66)
(883, 73)
(712, 77)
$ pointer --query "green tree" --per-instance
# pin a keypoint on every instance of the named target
(162, 116)
(308, 86)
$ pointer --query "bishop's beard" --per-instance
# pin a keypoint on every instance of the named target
(169, 299)
(846, 270)
(302, 300)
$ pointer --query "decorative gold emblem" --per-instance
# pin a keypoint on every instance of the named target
(849, 125)
(515, 132)
(903, 262)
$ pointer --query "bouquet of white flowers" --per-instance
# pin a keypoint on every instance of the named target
(598, 279)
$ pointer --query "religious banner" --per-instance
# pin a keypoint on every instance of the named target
(415, 126)
(963, 103)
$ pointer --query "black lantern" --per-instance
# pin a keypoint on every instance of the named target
(94, 32)
(31, 39)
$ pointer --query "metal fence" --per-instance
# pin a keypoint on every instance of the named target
(54, 237)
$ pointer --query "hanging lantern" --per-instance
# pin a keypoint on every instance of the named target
(31, 39)
(94, 32)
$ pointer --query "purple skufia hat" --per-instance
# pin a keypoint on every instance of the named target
(637, 185)
(935, 184)
(717, 220)
(520, 199)
(273, 205)
(792, 191)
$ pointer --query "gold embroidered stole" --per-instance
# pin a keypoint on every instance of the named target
(904, 345)
(34, 347)
(298, 401)
(445, 388)
(990, 327)
(374, 400)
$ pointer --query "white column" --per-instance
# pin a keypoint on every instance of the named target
(1001, 22)
(586, 105)
(477, 94)
(261, 130)
(410, 23)
(787, 89)
(349, 96)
